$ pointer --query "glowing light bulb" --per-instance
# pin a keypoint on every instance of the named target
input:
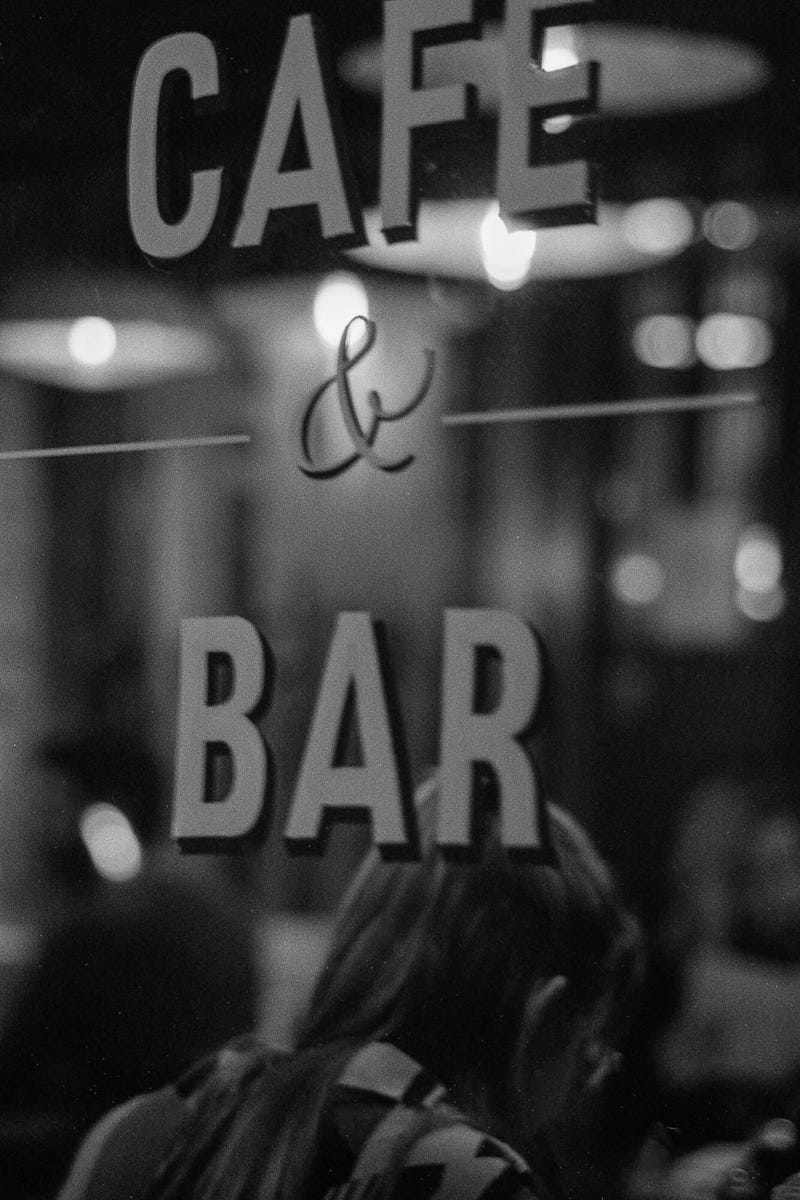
(92, 341)
(507, 254)
(340, 297)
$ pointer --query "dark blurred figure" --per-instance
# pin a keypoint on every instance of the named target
(726, 1057)
(731, 1054)
(148, 965)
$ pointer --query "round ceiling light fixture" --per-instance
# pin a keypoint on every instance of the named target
(98, 333)
(644, 70)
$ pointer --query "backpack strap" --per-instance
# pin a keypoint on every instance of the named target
(380, 1069)
(422, 1146)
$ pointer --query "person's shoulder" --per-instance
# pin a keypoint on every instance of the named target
(120, 1154)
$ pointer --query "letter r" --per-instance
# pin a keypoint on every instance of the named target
(492, 737)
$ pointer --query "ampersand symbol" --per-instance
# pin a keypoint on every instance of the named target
(363, 440)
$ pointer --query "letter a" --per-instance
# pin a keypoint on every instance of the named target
(199, 824)
(379, 788)
(304, 85)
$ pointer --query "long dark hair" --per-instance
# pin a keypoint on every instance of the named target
(436, 956)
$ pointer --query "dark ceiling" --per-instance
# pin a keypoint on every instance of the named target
(66, 72)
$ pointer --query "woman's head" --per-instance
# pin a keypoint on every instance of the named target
(496, 975)
(485, 970)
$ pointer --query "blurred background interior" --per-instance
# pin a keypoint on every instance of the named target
(656, 552)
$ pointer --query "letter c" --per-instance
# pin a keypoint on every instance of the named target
(195, 54)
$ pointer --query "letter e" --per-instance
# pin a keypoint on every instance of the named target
(558, 193)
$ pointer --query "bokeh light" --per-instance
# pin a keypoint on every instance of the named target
(659, 226)
(758, 568)
(92, 341)
(507, 254)
(758, 563)
(111, 842)
(339, 298)
(730, 225)
(665, 341)
(761, 607)
(734, 342)
(637, 579)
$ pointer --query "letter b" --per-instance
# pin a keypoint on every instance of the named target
(205, 726)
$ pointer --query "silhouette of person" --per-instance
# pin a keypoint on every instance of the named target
(149, 967)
